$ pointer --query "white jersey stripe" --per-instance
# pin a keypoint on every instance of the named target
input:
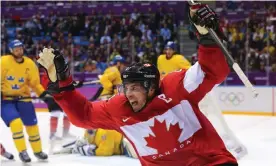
(193, 78)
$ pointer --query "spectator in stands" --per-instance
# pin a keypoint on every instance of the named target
(105, 35)
(147, 35)
(105, 38)
(134, 15)
(165, 33)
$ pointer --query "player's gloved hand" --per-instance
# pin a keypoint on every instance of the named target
(46, 60)
(57, 68)
(203, 17)
(62, 68)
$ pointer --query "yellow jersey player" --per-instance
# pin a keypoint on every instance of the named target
(170, 61)
(111, 77)
(100, 142)
(18, 74)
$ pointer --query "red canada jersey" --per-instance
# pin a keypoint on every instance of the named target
(170, 130)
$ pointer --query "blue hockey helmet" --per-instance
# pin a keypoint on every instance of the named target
(170, 44)
(118, 58)
(15, 43)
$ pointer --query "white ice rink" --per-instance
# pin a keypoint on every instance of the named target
(256, 132)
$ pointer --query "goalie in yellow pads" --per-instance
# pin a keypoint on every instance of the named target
(99, 142)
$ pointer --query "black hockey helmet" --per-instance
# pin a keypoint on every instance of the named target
(147, 74)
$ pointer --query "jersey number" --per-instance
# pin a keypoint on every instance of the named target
(163, 97)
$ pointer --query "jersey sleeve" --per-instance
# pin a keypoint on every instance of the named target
(34, 79)
(3, 70)
(183, 63)
(85, 114)
(193, 84)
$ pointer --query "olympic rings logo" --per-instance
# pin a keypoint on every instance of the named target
(232, 98)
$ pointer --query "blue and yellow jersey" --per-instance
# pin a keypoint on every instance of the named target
(110, 78)
(18, 78)
(108, 142)
(176, 62)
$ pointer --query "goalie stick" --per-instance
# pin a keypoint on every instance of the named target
(232, 62)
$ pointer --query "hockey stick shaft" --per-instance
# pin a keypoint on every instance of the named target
(234, 65)
(63, 151)
(66, 149)
(232, 62)
(91, 82)
(69, 144)
(34, 97)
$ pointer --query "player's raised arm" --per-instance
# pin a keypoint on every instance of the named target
(212, 67)
(80, 111)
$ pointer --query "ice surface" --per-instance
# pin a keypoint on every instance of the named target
(256, 132)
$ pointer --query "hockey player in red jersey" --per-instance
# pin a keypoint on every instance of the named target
(55, 111)
(160, 119)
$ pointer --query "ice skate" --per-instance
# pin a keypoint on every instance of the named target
(41, 156)
(8, 155)
(24, 156)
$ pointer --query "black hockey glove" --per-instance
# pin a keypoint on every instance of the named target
(205, 17)
(62, 68)
(202, 18)
(57, 68)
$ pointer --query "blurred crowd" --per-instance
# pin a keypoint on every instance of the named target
(91, 41)
(95, 38)
(253, 37)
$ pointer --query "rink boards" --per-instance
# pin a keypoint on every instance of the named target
(231, 99)
(239, 100)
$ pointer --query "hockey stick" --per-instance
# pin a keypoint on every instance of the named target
(69, 144)
(232, 62)
(34, 97)
(91, 82)
(65, 149)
